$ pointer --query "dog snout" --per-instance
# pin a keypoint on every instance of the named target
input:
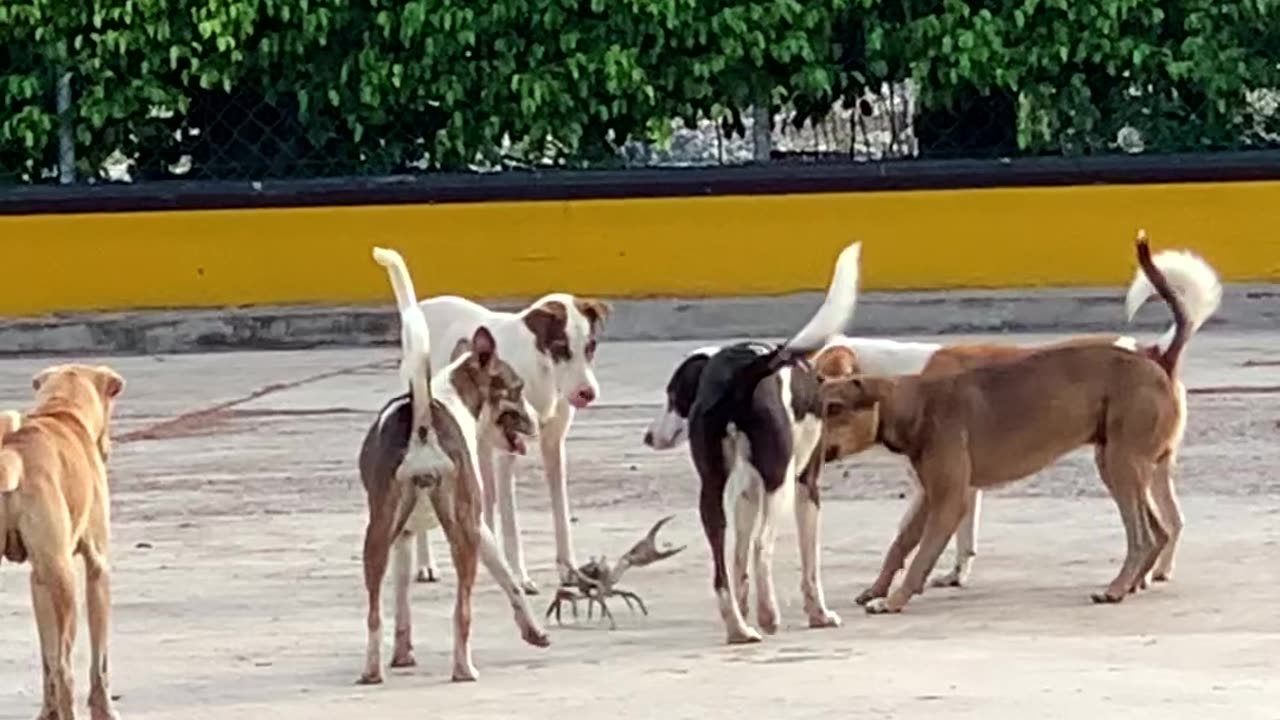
(583, 397)
(648, 438)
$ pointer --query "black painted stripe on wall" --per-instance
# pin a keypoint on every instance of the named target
(782, 178)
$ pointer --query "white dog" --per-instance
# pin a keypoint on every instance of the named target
(551, 344)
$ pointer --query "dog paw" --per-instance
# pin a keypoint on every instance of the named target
(880, 606)
(428, 574)
(824, 619)
(1107, 598)
(529, 587)
(1162, 576)
(403, 659)
(745, 636)
(871, 593)
(465, 673)
(768, 620)
(951, 579)
(370, 678)
(535, 636)
(101, 713)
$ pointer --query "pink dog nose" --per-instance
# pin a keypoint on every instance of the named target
(584, 397)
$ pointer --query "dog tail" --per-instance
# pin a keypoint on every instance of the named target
(10, 471)
(415, 338)
(1183, 280)
(830, 320)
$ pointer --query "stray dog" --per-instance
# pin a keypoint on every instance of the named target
(753, 421)
(54, 505)
(551, 344)
(849, 433)
(1006, 420)
(418, 467)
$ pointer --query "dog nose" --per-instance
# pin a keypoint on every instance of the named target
(648, 438)
(586, 396)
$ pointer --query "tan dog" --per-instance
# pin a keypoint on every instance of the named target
(54, 504)
(1006, 420)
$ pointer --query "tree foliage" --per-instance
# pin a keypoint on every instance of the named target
(268, 88)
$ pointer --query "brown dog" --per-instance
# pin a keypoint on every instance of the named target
(418, 466)
(54, 505)
(1006, 420)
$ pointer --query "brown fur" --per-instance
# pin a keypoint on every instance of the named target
(490, 390)
(57, 507)
(1005, 420)
(548, 323)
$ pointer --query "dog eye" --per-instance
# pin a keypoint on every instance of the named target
(591, 349)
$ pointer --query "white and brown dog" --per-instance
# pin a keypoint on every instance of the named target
(551, 344)
(55, 505)
(418, 466)
(750, 412)
(849, 433)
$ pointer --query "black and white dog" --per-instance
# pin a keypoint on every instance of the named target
(750, 412)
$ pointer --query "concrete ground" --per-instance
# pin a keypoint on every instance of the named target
(238, 592)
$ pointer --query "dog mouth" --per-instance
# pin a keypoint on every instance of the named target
(514, 430)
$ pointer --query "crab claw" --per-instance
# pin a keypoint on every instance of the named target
(646, 551)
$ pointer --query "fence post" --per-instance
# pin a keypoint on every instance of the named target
(66, 131)
(762, 126)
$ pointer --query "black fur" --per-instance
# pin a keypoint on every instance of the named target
(740, 385)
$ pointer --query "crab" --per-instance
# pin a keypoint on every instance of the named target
(597, 580)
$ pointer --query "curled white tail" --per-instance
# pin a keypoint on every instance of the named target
(415, 338)
(1191, 278)
(837, 308)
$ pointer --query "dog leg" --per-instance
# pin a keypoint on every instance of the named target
(491, 556)
(464, 542)
(377, 549)
(909, 533)
(484, 461)
(746, 513)
(966, 544)
(711, 454)
(53, 597)
(506, 482)
(946, 484)
(1165, 498)
(1127, 483)
(402, 564)
(775, 503)
(97, 590)
(551, 438)
(808, 527)
(428, 572)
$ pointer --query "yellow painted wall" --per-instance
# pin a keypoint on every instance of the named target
(700, 247)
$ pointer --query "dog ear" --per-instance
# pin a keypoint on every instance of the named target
(461, 348)
(110, 382)
(43, 376)
(835, 363)
(484, 347)
(595, 311)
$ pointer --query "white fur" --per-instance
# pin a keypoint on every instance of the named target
(424, 458)
(837, 308)
(1191, 278)
(548, 390)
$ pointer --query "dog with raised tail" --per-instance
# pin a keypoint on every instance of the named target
(418, 466)
(753, 422)
(551, 345)
(1003, 421)
(849, 433)
(55, 505)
